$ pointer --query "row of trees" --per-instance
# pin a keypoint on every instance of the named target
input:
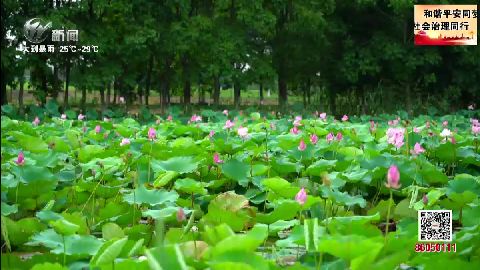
(354, 54)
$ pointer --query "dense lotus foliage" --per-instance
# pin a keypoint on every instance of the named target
(232, 190)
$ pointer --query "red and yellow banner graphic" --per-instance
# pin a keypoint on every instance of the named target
(445, 24)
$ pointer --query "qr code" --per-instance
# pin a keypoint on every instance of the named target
(435, 225)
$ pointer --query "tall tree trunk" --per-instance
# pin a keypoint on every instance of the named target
(201, 95)
(109, 89)
(282, 92)
(11, 94)
(20, 95)
(67, 84)
(187, 87)
(148, 79)
(140, 94)
(84, 99)
(187, 92)
(216, 89)
(164, 95)
(236, 94)
(102, 97)
(115, 91)
(261, 92)
(55, 82)
(168, 97)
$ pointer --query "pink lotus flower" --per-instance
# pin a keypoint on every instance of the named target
(297, 120)
(339, 136)
(195, 118)
(475, 122)
(181, 215)
(313, 139)
(98, 128)
(301, 196)
(242, 132)
(445, 123)
(294, 130)
(395, 136)
(393, 177)
(36, 121)
(475, 130)
(393, 122)
(228, 124)
(122, 100)
(216, 158)
(63, 116)
(152, 134)
(425, 199)
(417, 149)
(272, 126)
(170, 118)
(416, 130)
(225, 112)
(125, 141)
(372, 126)
(20, 159)
(302, 146)
(345, 118)
(81, 117)
(323, 116)
(330, 137)
(452, 140)
(212, 132)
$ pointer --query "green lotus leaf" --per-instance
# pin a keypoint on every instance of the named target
(111, 230)
(9, 209)
(166, 257)
(180, 164)
(164, 178)
(285, 210)
(74, 244)
(190, 186)
(320, 166)
(30, 143)
(108, 252)
(152, 197)
(64, 227)
(236, 170)
(281, 187)
(349, 247)
(344, 198)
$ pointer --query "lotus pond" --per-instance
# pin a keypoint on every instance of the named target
(225, 190)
